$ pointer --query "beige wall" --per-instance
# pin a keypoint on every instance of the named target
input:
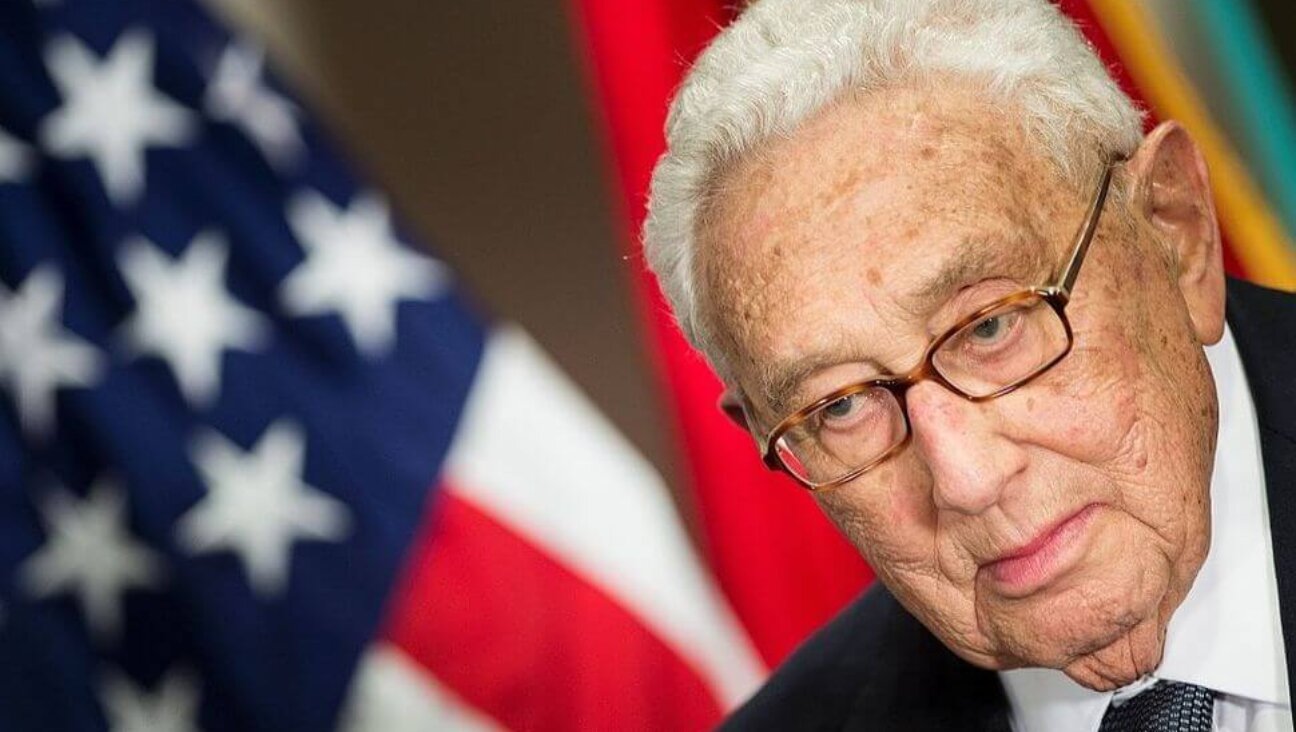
(473, 115)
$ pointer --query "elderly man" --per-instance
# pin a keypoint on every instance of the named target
(963, 299)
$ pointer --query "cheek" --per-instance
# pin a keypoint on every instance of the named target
(1126, 410)
(1088, 407)
(885, 516)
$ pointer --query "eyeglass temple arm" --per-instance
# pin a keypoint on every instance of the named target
(1086, 234)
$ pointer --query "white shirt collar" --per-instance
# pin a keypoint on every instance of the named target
(1226, 635)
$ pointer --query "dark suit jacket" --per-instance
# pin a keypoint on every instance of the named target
(875, 667)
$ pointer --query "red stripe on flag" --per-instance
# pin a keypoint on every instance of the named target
(781, 564)
(521, 638)
(1089, 24)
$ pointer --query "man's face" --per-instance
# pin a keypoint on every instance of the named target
(1059, 525)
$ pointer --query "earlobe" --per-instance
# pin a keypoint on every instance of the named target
(1171, 190)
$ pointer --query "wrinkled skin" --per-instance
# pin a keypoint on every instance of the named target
(815, 249)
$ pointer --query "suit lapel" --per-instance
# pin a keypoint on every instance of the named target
(1264, 326)
(906, 679)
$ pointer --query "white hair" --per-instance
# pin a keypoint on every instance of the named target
(782, 61)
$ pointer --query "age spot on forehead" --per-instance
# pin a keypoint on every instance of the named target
(874, 276)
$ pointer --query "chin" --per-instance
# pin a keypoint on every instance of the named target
(1118, 607)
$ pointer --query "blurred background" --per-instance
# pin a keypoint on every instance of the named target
(638, 570)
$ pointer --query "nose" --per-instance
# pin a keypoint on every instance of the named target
(970, 459)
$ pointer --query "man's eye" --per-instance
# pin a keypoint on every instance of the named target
(992, 329)
(851, 412)
(840, 409)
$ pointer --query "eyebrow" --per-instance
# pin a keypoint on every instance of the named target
(783, 380)
(977, 258)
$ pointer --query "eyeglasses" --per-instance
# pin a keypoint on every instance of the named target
(991, 352)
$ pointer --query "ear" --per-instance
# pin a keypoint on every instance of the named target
(731, 403)
(735, 406)
(1171, 190)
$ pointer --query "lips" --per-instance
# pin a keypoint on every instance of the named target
(1032, 566)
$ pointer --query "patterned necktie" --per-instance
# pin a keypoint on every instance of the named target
(1168, 706)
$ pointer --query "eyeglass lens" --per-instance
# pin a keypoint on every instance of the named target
(1006, 346)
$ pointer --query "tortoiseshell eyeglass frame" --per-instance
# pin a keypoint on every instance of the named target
(1055, 295)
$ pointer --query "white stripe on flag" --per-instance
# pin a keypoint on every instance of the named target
(535, 453)
(392, 693)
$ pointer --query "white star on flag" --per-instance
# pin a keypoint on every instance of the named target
(355, 266)
(237, 94)
(89, 552)
(15, 159)
(184, 315)
(171, 707)
(257, 504)
(37, 355)
(111, 111)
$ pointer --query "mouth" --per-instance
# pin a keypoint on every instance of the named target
(1032, 566)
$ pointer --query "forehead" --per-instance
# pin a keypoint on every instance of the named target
(836, 233)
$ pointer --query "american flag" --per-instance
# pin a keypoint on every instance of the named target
(262, 466)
